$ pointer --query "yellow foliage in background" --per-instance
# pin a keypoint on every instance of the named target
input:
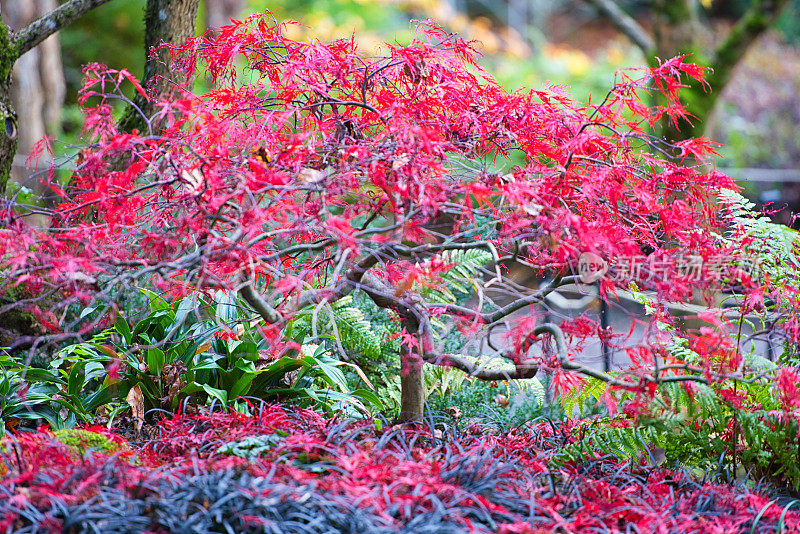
(515, 60)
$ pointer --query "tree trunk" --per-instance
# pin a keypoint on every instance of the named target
(166, 21)
(412, 387)
(51, 70)
(220, 12)
(37, 91)
(28, 97)
(8, 116)
(677, 30)
(15, 45)
(8, 129)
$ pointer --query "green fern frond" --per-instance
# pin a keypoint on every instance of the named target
(356, 333)
(678, 348)
(758, 363)
(622, 442)
(775, 246)
(457, 281)
(531, 386)
(577, 398)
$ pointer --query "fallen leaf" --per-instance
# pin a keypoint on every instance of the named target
(501, 400)
(308, 175)
(172, 376)
(400, 161)
(135, 399)
(454, 411)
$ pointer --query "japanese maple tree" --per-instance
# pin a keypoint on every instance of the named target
(311, 171)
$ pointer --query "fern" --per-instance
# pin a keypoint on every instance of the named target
(531, 386)
(578, 397)
(774, 246)
(347, 323)
(356, 333)
(599, 438)
(365, 331)
(757, 363)
(455, 282)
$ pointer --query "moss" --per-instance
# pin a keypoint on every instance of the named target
(9, 53)
(83, 440)
(15, 322)
(676, 12)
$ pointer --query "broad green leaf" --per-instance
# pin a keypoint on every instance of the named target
(185, 306)
(124, 329)
(156, 302)
(76, 378)
(370, 397)
(219, 394)
(154, 358)
(226, 311)
(242, 385)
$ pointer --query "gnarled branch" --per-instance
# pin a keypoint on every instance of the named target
(261, 306)
(42, 28)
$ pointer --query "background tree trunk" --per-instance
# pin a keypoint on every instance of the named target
(37, 89)
(8, 115)
(677, 29)
(13, 46)
(51, 70)
(166, 21)
(220, 12)
(37, 92)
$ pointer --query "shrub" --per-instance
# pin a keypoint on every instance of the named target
(311, 173)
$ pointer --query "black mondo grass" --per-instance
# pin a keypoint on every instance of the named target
(292, 471)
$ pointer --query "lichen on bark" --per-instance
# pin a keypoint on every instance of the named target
(9, 53)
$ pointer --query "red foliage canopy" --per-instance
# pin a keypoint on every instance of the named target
(310, 171)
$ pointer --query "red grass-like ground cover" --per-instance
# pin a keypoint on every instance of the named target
(291, 470)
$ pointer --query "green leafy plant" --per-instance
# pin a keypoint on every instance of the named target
(61, 399)
(198, 349)
(252, 446)
(359, 332)
(22, 400)
(598, 437)
(775, 252)
(361, 336)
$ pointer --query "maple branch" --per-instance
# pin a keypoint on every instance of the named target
(42, 28)
(521, 371)
(344, 103)
(257, 302)
(479, 371)
(528, 299)
(416, 317)
(351, 280)
(626, 24)
(499, 314)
